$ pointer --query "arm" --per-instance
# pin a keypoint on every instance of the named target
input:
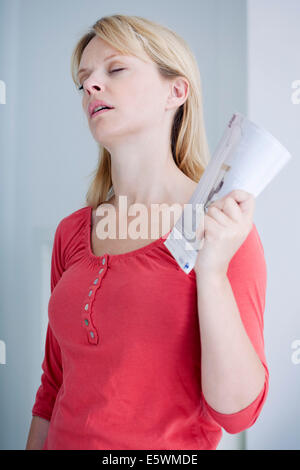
(233, 365)
(51, 381)
(37, 433)
(232, 373)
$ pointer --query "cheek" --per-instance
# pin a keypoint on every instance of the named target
(145, 106)
(84, 105)
(145, 96)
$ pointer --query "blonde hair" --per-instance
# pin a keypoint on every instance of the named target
(134, 35)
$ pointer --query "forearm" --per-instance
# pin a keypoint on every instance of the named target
(231, 372)
(37, 433)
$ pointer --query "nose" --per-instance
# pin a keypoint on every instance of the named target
(92, 86)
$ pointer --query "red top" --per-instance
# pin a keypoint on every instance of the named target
(122, 365)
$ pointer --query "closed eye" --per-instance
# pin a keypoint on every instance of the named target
(112, 71)
(116, 70)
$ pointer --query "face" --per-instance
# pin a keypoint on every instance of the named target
(137, 92)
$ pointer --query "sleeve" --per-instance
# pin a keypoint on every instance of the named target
(51, 378)
(247, 273)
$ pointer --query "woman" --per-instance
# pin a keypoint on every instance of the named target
(138, 354)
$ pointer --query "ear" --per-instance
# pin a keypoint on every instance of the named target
(178, 92)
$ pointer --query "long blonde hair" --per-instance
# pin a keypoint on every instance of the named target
(134, 35)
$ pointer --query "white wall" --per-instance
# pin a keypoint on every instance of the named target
(273, 65)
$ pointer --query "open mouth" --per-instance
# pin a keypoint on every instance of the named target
(100, 111)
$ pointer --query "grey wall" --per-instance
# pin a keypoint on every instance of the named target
(273, 52)
(47, 154)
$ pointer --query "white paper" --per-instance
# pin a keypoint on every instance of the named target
(247, 157)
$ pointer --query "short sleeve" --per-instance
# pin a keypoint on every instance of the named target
(247, 273)
(51, 378)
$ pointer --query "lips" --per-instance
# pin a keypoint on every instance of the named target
(100, 112)
(95, 104)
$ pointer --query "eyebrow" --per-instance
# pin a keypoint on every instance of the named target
(109, 57)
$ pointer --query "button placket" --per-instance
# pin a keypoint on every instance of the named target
(92, 334)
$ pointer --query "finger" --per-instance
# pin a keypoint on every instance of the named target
(218, 215)
(248, 206)
(232, 209)
(217, 203)
(209, 225)
(239, 195)
(245, 200)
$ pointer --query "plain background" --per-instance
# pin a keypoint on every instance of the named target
(247, 56)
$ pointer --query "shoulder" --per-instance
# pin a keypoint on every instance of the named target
(70, 221)
(71, 227)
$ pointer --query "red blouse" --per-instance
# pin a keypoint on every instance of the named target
(122, 365)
